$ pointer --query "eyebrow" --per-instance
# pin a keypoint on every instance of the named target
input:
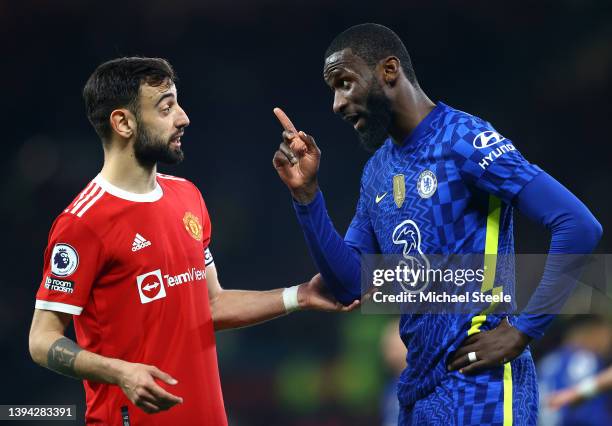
(164, 96)
(329, 75)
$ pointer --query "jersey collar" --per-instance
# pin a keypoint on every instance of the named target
(413, 138)
(149, 197)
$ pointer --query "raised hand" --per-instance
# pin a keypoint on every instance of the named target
(297, 160)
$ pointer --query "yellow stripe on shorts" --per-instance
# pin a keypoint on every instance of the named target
(507, 394)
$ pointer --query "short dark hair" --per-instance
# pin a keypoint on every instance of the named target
(116, 84)
(373, 42)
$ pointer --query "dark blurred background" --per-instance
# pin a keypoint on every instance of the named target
(539, 71)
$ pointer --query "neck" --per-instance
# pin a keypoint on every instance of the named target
(122, 169)
(411, 106)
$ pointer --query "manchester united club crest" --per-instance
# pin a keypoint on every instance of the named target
(193, 225)
(399, 190)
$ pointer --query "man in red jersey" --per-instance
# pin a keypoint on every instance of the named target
(128, 259)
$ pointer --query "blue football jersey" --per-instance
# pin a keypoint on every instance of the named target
(449, 186)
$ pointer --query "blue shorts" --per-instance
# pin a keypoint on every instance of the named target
(502, 396)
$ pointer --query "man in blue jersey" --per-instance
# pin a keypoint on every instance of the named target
(575, 364)
(450, 181)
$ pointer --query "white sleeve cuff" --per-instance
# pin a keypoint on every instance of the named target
(587, 388)
(58, 307)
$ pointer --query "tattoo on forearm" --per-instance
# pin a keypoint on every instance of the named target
(61, 356)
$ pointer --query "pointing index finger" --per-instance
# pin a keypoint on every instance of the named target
(284, 120)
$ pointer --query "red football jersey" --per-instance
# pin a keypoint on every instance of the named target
(130, 268)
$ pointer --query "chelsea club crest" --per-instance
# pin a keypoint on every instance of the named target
(427, 183)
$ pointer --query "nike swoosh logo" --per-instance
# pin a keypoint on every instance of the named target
(380, 197)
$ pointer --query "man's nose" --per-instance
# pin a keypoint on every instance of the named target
(339, 103)
(183, 120)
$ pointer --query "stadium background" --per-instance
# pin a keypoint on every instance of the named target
(539, 71)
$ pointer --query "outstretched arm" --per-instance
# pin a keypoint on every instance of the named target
(51, 349)
(297, 163)
(241, 308)
(336, 258)
(586, 389)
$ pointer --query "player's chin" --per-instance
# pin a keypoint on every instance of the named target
(371, 139)
(173, 156)
(178, 158)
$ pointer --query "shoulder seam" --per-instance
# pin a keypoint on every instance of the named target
(82, 194)
(88, 197)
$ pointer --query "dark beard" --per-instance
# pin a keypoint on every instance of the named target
(150, 149)
(376, 129)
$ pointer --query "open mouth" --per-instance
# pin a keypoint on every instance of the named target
(359, 123)
(176, 141)
(355, 119)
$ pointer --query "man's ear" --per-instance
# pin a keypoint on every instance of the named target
(391, 68)
(123, 123)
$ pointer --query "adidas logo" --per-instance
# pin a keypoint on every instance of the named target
(140, 242)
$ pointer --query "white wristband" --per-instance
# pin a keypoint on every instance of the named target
(587, 388)
(290, 299)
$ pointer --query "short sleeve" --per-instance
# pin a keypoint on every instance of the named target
(491, 162)
(72, 262)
